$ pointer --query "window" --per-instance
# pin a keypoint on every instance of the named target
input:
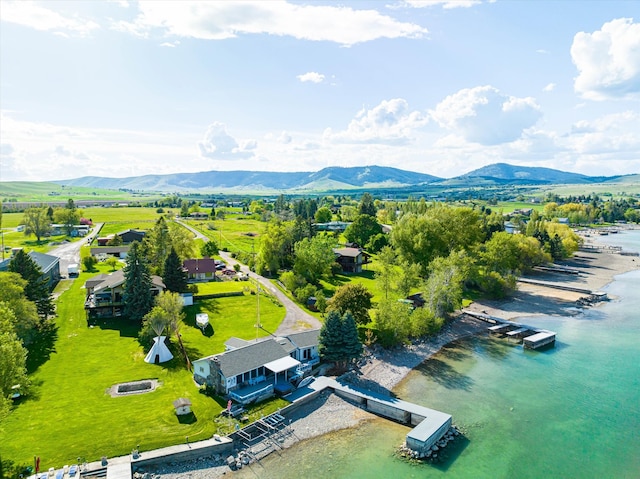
(201, 369)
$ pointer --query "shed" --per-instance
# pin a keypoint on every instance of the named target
(182, 406)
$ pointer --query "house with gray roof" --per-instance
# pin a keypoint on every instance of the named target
(48, 264)
(105, 294)
(250, 371)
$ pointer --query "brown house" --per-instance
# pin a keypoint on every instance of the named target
(201, 269)
(104, 294)
(351, 259)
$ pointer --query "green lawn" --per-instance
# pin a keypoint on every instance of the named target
(68, 413)
(235, 233)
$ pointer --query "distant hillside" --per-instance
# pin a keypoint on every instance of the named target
(323, 180)
(505, 173)
(326, 180)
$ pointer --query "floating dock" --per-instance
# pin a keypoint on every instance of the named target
(532, 338)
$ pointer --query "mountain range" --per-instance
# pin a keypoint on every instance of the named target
(335, 178)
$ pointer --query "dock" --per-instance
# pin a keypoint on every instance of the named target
(531, 337)
(430, 425)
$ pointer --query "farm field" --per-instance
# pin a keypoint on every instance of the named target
(236, 233)
(69, 414)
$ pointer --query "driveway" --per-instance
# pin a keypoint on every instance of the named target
(69, 253)
(295, 320)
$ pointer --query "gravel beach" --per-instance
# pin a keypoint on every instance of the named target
(384, 369)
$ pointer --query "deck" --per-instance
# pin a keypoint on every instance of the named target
(531, 337)
(431, 425)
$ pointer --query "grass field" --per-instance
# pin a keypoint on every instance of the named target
(43, 191)
(236, 233)
(68, 413)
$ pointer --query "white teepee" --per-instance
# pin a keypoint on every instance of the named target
(159, 352)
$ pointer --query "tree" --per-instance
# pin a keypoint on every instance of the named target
(13, 359)
(321, 302)
(153, 324)
(37, 287)
(137, 296)
(323, 215)
(182, 241)
(209, 249)
(338, 340)
(367, 205)
(184, 209)
(385, 272)
(112, 261)
(174, 277)
(157, 243)
(36, 222)
(353, 297)
(89, 263)
(272, 248)
(314, 257)
(171, 304)
(392, 319)
(116, 240)
(25, 313)
(67, 216)
(443, 288)
(362, 229)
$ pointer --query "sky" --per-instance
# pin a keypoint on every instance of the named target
(127, 88)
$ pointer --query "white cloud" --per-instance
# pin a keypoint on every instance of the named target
(29, 14)
(549, 87)
(391, 123)
(218, 144)
(170, 44)
(608, 61)
(312, 77)
(222, 20)
(486, 116)
(610, 134)
(446, 4)
(36, 151)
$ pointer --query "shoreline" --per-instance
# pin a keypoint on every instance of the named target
(383, 370)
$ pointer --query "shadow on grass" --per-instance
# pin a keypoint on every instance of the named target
(126, 327)
(187, 418)
(10, 469)
(43, 345)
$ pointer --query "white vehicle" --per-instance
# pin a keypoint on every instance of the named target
(73, 271)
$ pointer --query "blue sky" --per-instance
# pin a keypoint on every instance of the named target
(128, 88)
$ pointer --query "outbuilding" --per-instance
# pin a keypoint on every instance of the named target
(182, 406)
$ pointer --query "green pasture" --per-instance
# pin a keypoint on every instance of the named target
(122, 214)
(236, 233)
(509, 206)
(625, 188)
(68, 413)
(45, 192)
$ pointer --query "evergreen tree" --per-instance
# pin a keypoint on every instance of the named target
(37, 287)
(367, 206)
(175, 277)
(352, 344)
(137, 296)
(338, 340)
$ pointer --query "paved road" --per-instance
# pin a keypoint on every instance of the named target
(295, 320)
(69, 253)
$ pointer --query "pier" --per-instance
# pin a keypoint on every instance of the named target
(430, 425)
(531, 338)
(591, 296)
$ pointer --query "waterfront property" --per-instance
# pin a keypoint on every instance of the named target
(249, 371)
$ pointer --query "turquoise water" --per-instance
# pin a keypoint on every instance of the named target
(568, 412)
